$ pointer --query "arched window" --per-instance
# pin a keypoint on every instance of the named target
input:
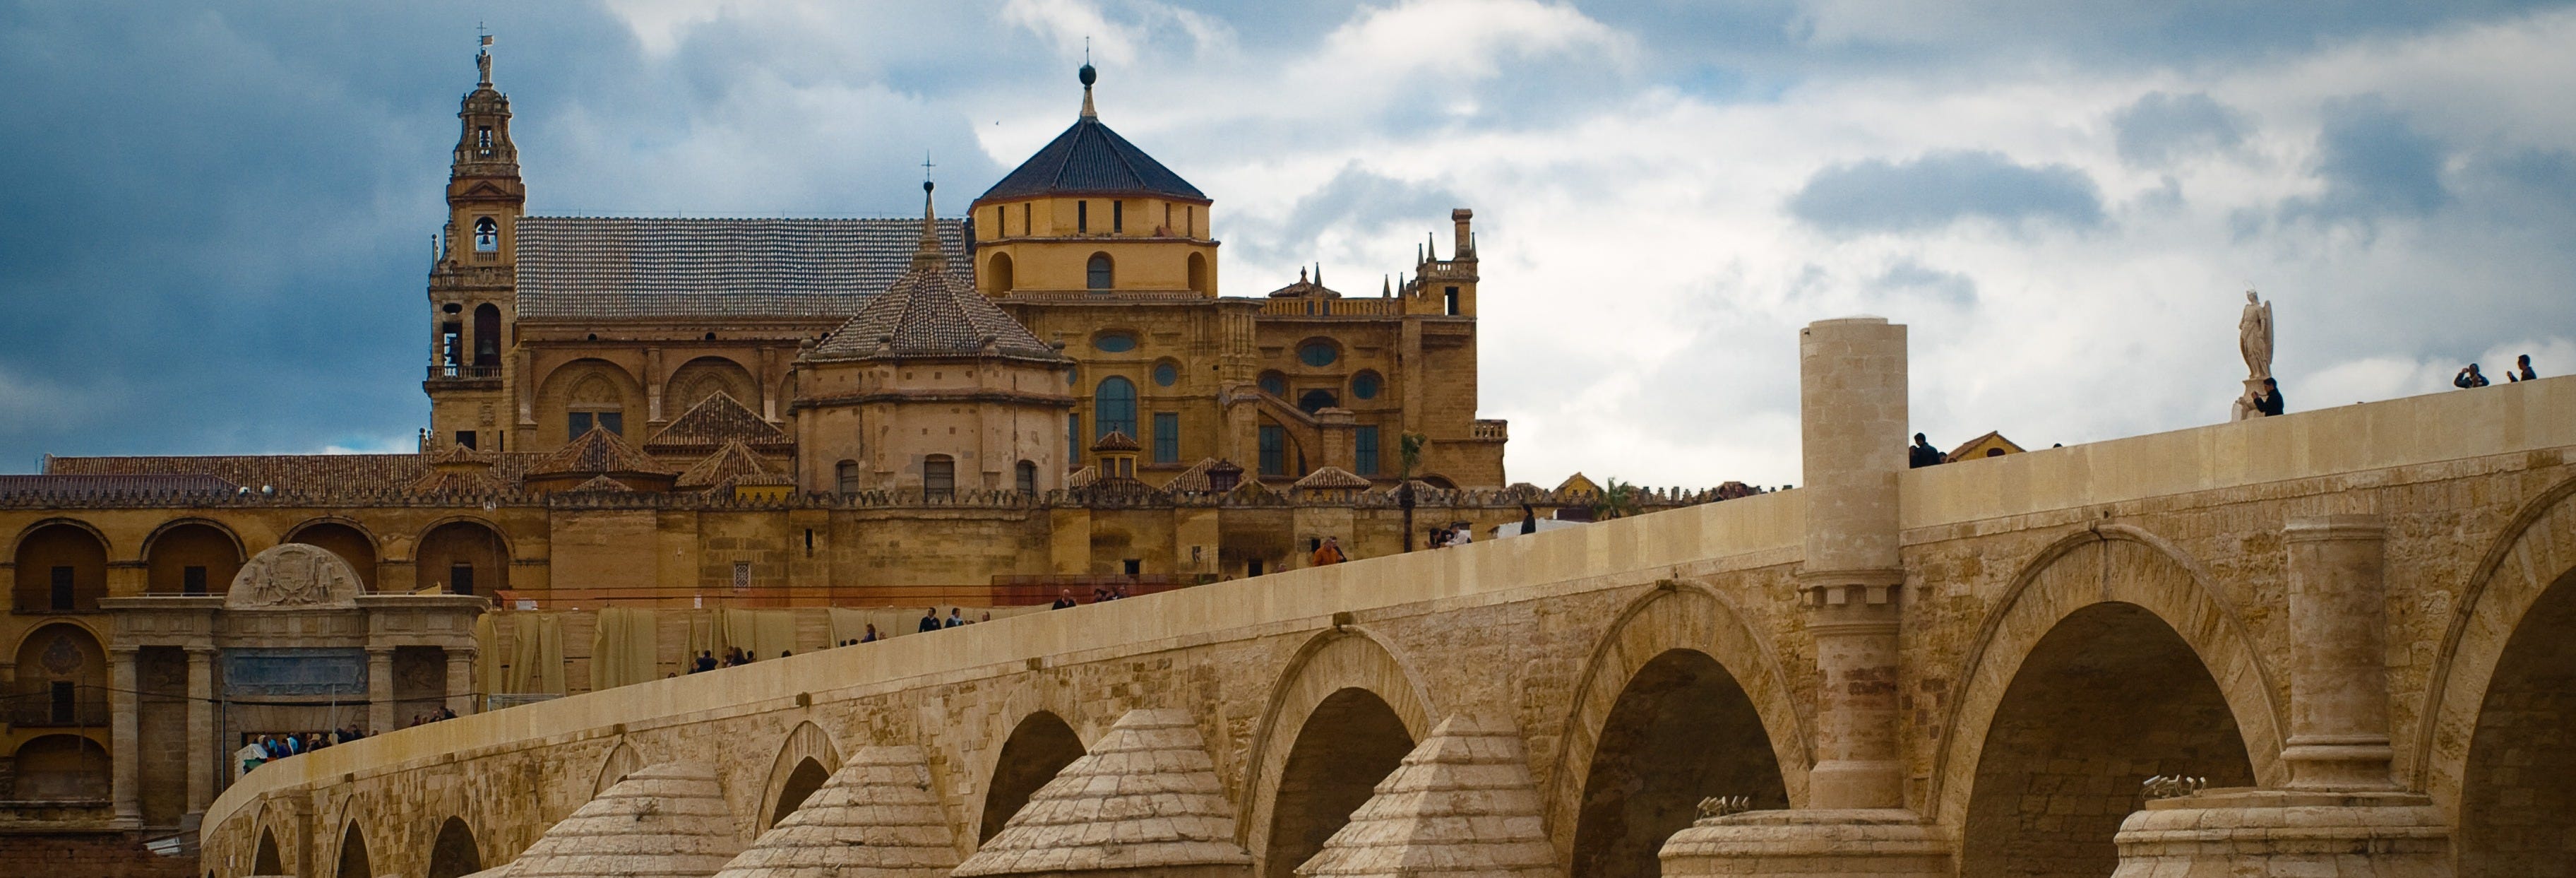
(997, 273)
(1026, 474)
(1366, 384)
(1274, 384)
(487, 235)
(1198, 273)
(1313, 401)
(1114, 407)
(1099, 272)
(487, 335)
(939, 476)
(845, 477)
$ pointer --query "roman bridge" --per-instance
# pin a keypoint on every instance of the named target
(2364, 615)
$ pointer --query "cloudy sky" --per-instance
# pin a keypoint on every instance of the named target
(217, 216)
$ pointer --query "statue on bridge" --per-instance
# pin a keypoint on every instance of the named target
(2254, 340)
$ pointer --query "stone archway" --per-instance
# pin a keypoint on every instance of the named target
(462, 556)
(804, 761)
(1334, 667)
(2517, 811)
(343, 538)
(621, 762)
(1041, 745)
(453, 854)
(2108, 698)
(265, 859)
(1349, 742)
(191, 556)
(61, 567)
(353, 854)
(2110, 564)
(2534, 555)
(1603, 720)
(1682, 730)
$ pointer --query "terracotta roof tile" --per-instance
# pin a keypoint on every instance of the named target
(714, 421)
(287, 472)
(597, 451)
(1331, 477)
(733, 461)
(931, 311)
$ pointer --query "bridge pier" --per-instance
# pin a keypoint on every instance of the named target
(1852, 425)
(2341, 814)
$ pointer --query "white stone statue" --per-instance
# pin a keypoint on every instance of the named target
(2254, 338)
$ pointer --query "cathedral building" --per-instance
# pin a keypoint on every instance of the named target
(652, 440)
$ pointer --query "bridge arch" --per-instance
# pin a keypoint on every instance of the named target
(453, 853)
(805, 760)
(266, 858)
(622, 761)
(2504, 691)
(2122, 627)
(1040, 744)
(1344, 711)
(1679, 700)
(353, 862)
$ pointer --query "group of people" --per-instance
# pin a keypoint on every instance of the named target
(707, 661)
(1099, 594)
(930, 620)
(1456, 534)
(2470, 377)
(422, 719)
(258, 750)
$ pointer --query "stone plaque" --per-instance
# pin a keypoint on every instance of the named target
(257, 672)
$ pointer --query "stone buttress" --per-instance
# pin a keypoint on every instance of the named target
(667, 819)
(877, 817)
(1461, 804)
(1145, 801)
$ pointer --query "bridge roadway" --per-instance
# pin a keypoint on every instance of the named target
(2073, 621)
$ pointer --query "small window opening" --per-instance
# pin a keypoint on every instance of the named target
(192, 580)
(1252, 567)
(809, 542)
(1135, 566)
(939, 476)
(1118, 217)
(62, 588)
(465, 438)
(483, 138)
(1082, 216)
(66, 696)
(1026, 475)
(1098, 272)
(487, 235)
(1452, 296)
(460, 578)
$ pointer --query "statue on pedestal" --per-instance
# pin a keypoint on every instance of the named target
(2254, 340)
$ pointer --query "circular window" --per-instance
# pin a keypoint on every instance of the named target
(1274, 384)
(1166, 374)
(1365, 385)
(1114, 342)
(1317, 353)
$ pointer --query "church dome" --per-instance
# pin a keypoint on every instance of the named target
(1090, 159)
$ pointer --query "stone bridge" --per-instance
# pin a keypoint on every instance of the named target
(2357, 625)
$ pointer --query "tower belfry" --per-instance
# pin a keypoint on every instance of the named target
(471, 287)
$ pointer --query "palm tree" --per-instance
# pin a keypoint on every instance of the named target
(1617, 500)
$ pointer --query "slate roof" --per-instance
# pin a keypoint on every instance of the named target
(1090, 159)
(714, 421)
(578, 267)
(929, 311)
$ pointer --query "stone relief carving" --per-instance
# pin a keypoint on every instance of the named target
(294, 575)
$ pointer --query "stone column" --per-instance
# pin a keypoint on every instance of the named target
(460, 681)
(2341, 813)
(203, 747)
(125, 738)
(653, 385)
(380, 689)
(1853, 427)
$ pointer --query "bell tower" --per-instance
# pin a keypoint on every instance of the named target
(473, 281)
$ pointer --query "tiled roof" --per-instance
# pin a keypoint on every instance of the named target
(735, 460)
(1331, 477)
(1088, 158)
(929, 311)
(602, 484)
(287, 472)
(714, 421)
(54, 485)
(607, 267)
(1115, 440)
(597, 451)
(1194, 479)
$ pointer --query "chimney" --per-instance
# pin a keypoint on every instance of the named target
(1466, 245)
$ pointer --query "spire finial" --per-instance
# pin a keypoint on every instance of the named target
(1088, 76)
(928, 255)
(483, 56)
